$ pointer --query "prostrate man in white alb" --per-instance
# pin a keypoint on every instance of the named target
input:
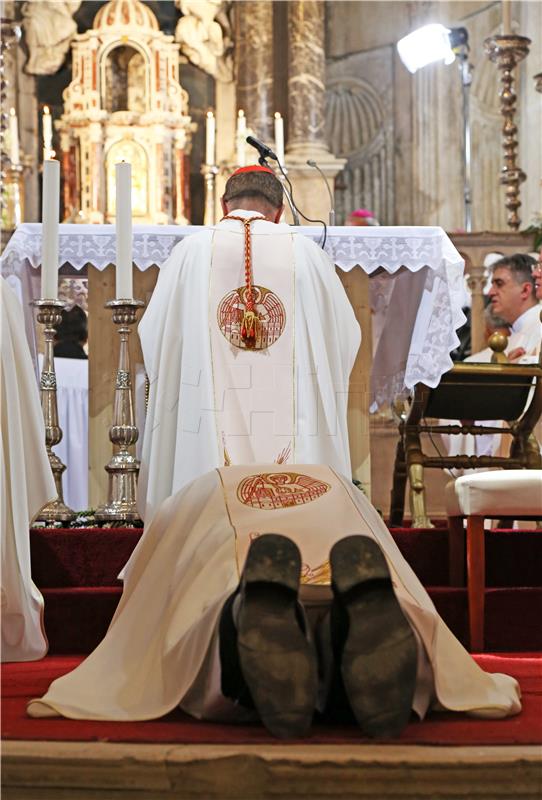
(220, 617)
(248, 341)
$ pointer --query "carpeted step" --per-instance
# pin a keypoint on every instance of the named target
(64, 557)
(512, 616)
(77, 572)
(77, 619)
(94, 556)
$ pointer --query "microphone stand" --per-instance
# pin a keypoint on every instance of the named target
(312, 163)
(263, 162)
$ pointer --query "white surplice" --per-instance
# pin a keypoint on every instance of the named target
(158, 650)
(212, 402)
(26, 484)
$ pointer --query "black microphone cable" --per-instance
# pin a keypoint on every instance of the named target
(308, 219)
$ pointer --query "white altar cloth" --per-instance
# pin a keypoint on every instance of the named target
(416, 288)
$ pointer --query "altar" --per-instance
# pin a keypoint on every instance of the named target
(405, 284)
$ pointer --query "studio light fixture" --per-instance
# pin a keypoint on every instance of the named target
(433, 43)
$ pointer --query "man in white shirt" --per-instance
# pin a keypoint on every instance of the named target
(512, 298)
(248, 341)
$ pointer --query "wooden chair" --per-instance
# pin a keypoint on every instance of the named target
(503, 494)
(469, 391)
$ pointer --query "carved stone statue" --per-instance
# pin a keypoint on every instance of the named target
(49, 28)
(204, 33)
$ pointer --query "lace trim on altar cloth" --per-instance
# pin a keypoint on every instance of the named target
(388, 247)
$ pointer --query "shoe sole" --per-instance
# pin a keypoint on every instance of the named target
(379, 658)
(277, 661)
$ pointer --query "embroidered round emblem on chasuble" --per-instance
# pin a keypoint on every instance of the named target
(270, 312)
(270, 490)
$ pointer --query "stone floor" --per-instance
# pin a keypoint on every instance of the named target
(105, 771)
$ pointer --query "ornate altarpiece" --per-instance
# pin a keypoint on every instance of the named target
(125, 102)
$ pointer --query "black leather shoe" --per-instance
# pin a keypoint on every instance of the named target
(276, 657)
(372, 639)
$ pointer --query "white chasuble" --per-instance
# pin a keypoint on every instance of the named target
(155, 654)
(213, 401)
(253, 385)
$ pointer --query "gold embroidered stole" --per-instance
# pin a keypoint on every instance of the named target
(251, 310)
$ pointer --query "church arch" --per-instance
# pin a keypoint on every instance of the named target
(125, 77)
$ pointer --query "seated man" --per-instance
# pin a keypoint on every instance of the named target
(248, 340)
(220, 617)
(512, 298)
(513, 302)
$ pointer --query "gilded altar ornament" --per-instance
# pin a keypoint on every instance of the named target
(123, 468)
(507, 51)
(49, 315)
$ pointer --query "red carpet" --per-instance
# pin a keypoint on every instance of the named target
(76, 570)
(20, 682)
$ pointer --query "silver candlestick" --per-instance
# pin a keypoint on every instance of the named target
(123, 467)
(49, 315)
(209, 172)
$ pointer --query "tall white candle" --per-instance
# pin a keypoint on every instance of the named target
(506, 18)
(49, 229)
(123, 175)
(241, 137)
(210, 138)
(14, 154)
(47, 122)
(279, 137)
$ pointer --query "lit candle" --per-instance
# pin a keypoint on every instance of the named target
(50, 206)
(123, 176)
(210, 137)
(14, 155)
(506, 18)
(241, 136)
(47, 122)
(279, 137)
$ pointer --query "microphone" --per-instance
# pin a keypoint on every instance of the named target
(263, 149)
(312, 163)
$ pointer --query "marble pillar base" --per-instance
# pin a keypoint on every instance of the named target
(310, 194)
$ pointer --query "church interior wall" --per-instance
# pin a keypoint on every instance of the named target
(422, 114)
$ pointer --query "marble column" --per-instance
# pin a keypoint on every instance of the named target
(306, 110)
(254, 64)
(306, 77)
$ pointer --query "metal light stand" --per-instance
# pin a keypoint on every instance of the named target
(123, 467)
(465, 73)
(507, 51)
(49, 315)
(209, 172)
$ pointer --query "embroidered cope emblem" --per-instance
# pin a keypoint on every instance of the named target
(270, 312)
(270, 490)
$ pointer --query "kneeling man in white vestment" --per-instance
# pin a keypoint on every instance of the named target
(248, 341)
(275, 592)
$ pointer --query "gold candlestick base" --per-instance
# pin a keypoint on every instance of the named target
(49, 316)
(123, 467)
(507, 51)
